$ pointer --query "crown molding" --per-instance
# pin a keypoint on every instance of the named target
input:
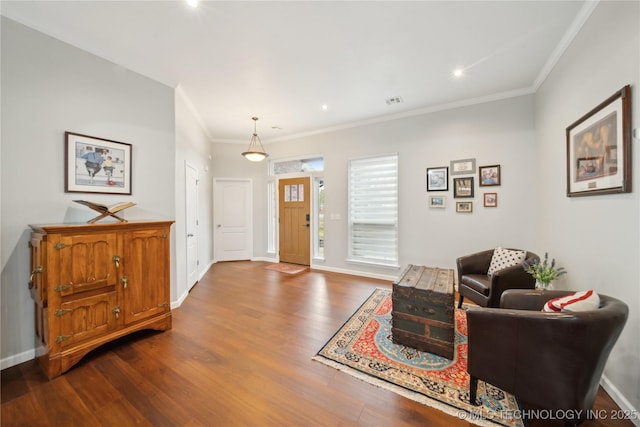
(571, 33)
(406, 114)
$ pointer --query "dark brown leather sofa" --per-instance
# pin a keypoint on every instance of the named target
(485, 290)
(549, 360)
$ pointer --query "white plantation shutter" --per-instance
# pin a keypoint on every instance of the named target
(373, 210)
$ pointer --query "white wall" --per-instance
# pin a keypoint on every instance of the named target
(499, 132)
(192, 146)
(596, 238)
(49, 87)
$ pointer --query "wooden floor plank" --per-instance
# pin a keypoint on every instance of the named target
(13, 384)
(23, 411)
(121, 413)
(239, 354)
(62, 406)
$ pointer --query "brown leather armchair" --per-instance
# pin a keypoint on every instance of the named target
(475, 284)
(550, 360)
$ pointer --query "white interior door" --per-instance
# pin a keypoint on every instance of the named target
(232, 218)
(191, 202)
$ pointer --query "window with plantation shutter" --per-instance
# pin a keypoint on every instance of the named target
(373, 210)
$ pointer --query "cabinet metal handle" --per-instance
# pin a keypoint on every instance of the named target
(116, 261)
(124, 281)
(116, 312)
(37, 270)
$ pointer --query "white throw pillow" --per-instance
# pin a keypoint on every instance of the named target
(577, 301)
(503, 258)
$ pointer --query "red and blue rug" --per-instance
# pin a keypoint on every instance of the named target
(363, 348)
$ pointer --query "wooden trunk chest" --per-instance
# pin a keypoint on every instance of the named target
(423, 310)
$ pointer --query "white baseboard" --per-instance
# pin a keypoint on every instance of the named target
(205, 270)
(181, 298)
(334, 270)
(16, 359)
(356, 273)
(178, 303)
(625, 406)
(265, 259)
(313, 266)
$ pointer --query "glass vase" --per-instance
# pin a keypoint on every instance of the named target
(543, 286)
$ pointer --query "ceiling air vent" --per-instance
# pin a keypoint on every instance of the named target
(394, 101)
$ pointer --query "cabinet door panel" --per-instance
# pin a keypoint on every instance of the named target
(145, 265)
(86, 262)
(85, 318)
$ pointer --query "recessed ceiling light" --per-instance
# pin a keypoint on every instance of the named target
(457, 72)
(324, 107)
(394, 100)
(192, 3)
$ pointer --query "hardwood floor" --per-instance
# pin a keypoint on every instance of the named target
(239, 354)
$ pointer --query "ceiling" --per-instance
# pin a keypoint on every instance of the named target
(282, 61)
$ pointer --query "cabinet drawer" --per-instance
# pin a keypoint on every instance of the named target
(85, 318)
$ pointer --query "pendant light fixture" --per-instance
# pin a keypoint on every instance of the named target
(255, 152)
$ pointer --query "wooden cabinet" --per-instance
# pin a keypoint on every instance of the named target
(94, 283)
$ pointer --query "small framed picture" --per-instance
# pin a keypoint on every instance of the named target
(464, 207)
(439, 202)
(463, 167)
(489, 175)
(490, 200)
(463, 187)
(438, 179)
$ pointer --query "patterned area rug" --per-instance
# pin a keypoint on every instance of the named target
(287, 268)
(363, 348)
